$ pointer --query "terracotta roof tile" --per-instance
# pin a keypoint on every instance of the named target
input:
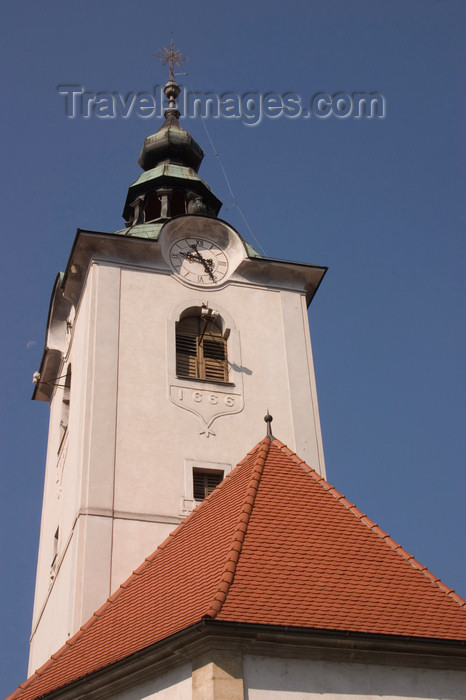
(273, 544)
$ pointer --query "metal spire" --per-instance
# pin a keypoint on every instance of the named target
(268, 419)
(174, 57)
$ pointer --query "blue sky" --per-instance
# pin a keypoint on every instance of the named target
(377, 200)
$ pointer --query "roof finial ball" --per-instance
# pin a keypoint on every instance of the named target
(268, 419)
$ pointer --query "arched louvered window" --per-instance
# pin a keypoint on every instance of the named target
(201, 349)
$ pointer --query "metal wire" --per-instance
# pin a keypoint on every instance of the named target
(215, 154)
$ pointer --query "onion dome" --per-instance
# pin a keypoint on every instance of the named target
(171, 143)
(169, 185)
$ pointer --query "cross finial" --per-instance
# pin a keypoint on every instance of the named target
(174, 57)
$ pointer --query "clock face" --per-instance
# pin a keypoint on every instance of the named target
(199, 261)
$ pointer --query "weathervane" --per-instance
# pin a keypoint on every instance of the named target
(174, 57)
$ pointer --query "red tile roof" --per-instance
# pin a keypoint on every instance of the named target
(273, 544)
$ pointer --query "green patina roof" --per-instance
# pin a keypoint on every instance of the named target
(169, 170)
(152, 230)
(252, 252)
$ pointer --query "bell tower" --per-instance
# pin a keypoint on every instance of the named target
(166, 343)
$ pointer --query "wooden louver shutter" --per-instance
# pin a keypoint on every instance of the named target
(204, 483)
(215, 365)
(186, 355)
(201, 351)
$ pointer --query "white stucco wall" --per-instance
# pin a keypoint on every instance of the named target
(58, 589)
(117, 485)
(292, 679)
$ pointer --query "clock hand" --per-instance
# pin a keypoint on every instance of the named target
(208, 267)
(207, 263)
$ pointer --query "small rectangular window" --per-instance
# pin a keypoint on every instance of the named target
(55, 545)
(65, 405)
(205, 481)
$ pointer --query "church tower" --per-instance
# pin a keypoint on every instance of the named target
(166, 343)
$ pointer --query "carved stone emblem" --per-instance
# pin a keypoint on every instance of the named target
(206, 404)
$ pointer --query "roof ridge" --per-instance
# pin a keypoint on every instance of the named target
(228, 579)
(229, 569)
(389, 541)
(118, 591)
